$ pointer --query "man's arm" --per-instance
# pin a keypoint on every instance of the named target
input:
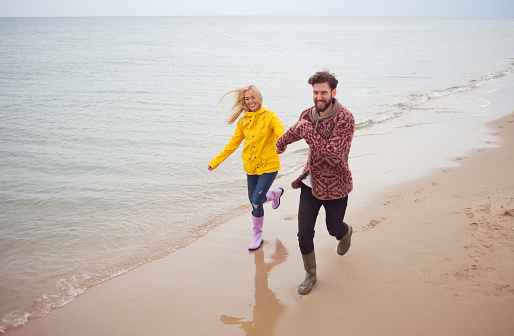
(337, 146)
(290, 136)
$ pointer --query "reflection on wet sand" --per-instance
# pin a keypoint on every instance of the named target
(267, 308)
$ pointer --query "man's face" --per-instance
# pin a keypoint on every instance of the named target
(322, 96)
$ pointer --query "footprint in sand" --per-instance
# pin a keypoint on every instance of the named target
(509, 213)
(465, 273)
(500, 287)
(419, 200)
(434, 184)
(461, 158)
(490, 270)
(484, 208)
(372, 224)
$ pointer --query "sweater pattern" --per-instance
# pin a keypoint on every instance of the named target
(329, 139)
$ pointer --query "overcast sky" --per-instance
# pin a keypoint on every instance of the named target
(430, 8)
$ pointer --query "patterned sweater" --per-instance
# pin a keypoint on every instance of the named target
(329, 139)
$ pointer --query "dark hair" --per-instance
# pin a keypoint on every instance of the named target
(324, 77)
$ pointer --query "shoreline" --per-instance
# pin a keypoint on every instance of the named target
(214, 286)
(434, 256)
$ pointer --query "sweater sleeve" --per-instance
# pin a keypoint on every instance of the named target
(232, 145)
(335, 148)
(290, 136)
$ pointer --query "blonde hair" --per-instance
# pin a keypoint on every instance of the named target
(239, 103)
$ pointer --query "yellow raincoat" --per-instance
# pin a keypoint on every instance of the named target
(260, 130)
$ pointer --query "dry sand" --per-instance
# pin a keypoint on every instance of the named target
(434, 256)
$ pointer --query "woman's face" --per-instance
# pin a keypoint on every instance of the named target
(251, 101)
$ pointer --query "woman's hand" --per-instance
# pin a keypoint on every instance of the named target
(210, 168)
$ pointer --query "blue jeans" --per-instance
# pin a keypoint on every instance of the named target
(258, 186)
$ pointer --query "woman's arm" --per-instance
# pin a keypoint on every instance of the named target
(232, 145)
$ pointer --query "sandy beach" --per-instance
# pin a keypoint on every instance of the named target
(431, 255)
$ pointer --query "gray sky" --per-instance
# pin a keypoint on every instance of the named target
(430, 8)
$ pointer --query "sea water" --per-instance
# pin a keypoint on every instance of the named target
(108, 125)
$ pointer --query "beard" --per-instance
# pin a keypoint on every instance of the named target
(322, 105)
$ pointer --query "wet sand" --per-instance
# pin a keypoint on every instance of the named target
(432, 255)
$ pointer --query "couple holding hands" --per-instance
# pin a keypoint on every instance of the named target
(327, 128)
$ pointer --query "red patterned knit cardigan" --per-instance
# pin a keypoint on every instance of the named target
(329, 139)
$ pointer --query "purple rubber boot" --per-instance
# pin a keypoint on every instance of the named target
(257, 233)
(274, 195)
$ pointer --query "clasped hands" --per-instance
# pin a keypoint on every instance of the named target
(301, 122)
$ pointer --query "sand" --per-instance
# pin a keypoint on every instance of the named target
(432, 255)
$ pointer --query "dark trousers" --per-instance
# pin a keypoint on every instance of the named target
(308, 213)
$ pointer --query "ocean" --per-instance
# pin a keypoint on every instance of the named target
(108, 125)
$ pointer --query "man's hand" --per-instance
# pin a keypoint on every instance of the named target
(281, 151)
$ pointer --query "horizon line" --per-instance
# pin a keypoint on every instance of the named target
(262, 15)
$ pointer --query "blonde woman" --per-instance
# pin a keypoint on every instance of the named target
(260, 129)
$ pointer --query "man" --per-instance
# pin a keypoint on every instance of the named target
(326, 181)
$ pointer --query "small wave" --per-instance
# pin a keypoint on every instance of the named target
(472, 84)
(67, 288)
(393, 113)
(65, 291)
(400, 109)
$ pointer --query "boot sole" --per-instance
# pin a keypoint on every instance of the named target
(305, 293)
(258, 247)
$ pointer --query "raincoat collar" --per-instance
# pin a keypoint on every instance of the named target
(259, 111)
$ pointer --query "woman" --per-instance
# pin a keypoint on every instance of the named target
(260, 128)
